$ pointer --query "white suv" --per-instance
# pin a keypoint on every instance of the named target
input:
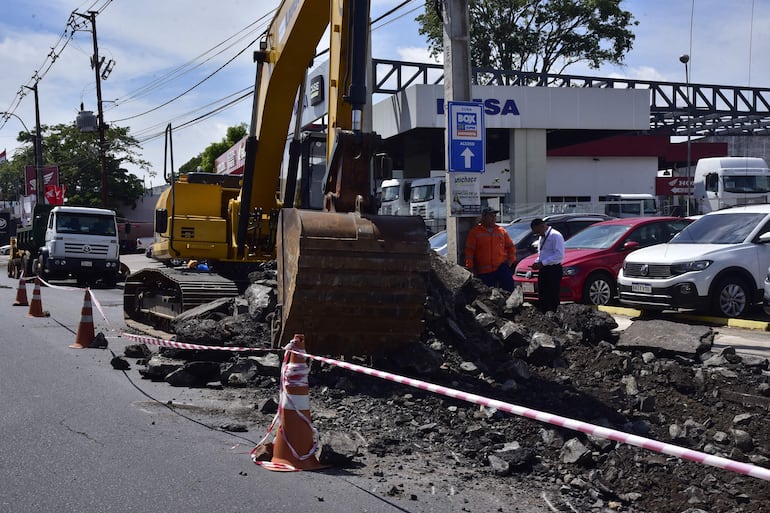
(717, 263)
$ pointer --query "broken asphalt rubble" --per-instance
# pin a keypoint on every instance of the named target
(657, 379)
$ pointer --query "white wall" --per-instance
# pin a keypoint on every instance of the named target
(587, 176)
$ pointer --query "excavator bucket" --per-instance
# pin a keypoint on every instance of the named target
(353, 285)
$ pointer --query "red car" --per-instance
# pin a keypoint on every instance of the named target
(593, 257)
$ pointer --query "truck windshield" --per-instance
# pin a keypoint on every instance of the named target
(423, 192)
(719, 229)
(390, 193)
(746, 184)
(85, 224)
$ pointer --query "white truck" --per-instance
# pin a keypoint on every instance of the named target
(721, 182)
(64, 242)
(428, 200)
(394, 197)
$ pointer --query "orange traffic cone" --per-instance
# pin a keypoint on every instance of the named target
(21, 293)
(296, 441)
(36, 305)
(85, 335)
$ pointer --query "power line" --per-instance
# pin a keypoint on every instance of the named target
(191, 65)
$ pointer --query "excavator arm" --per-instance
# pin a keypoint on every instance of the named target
(352, 281)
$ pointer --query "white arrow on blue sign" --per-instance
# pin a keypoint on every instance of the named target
(467, 137)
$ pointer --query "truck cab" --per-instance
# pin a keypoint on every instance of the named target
(78, 242)
(394, 197)
(722, 182)
(428, 200)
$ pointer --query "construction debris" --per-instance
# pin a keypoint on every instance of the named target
(657, 379)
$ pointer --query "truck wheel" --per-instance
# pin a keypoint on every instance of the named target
(598, 290)
(730, 298)
(37, 269)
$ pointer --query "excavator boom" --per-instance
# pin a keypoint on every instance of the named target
(351, 281)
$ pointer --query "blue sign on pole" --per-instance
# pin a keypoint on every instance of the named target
(467, 138)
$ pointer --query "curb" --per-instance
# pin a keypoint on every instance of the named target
(707, 319)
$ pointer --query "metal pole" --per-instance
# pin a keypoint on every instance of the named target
(38, 146)
(97, 65)
(685, 59)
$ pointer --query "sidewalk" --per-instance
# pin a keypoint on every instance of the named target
(745, 336)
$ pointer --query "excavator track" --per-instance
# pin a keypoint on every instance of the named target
(153, 297)
(352, 285)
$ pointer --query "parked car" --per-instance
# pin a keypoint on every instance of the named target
(144, 245)
(438, 242)
(522, 235)
(593, 257)
(566, 224)
(5, 249)
(766, 300)
(718, 263)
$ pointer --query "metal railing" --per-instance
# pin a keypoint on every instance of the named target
(711, 109)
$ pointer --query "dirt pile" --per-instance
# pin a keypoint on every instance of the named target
(483, 342)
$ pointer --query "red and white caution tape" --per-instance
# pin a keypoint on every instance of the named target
(549, 418)
(95, 301)
(50, 285)
(98, 306)
(142, 339)
(576, 425)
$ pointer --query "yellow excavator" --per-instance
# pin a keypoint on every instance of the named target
(352, 281)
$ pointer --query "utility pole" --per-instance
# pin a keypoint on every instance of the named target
(457, 87)
(38, 145)
(96, 64)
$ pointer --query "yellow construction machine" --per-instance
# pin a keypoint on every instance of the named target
(352, 281)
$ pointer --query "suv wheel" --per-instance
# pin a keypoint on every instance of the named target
(730, 298)
(599, 290)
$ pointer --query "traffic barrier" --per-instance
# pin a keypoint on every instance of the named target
(296, 441)
(21, 293)
(85, 335)
(36, 305)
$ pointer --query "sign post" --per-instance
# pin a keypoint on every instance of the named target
(466, 157)
(467, 144)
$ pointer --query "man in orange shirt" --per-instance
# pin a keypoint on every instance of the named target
(490, 252)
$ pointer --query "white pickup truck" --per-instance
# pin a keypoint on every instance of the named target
(717, 263)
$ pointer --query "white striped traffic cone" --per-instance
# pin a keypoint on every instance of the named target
(85, 335)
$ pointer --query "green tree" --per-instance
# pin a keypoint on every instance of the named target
(205, 159)
(80, 169)
(543, 36)
(12, 170)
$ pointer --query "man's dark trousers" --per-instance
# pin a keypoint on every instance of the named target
(548, 287)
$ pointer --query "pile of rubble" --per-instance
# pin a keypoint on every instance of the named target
(656, 379)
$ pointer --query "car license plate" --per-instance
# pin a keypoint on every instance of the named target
(528, 287)
(641, 287)
(86, 263)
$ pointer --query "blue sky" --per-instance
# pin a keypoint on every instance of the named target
(149, 39)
